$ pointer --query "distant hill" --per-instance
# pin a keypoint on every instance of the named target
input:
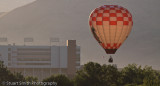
(3, 14)
(68, 19)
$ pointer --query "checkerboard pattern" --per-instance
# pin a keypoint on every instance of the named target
(112, 24)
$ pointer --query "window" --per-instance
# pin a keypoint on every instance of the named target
(9, 49)
(9, 54)
(9, 64)
(9, 58)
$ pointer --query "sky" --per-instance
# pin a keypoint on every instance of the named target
(68, 19)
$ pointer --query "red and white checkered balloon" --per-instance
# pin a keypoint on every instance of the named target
(110, 25)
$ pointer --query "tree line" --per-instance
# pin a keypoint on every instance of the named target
(94, 74)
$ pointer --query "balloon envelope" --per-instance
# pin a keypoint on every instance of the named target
(110, 25)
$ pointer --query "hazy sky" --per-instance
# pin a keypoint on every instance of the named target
(68, 19)
(8, 5)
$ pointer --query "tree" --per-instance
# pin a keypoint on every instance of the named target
(132, 74)
(111, 75)
(93, 74)
(152, 77)
(61, 80)
(6, 75)
(31, 79)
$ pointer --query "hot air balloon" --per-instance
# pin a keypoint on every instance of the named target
(110, 25)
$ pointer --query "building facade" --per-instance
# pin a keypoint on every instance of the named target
(42, 61)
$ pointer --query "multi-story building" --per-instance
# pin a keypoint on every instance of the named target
(42, 61)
